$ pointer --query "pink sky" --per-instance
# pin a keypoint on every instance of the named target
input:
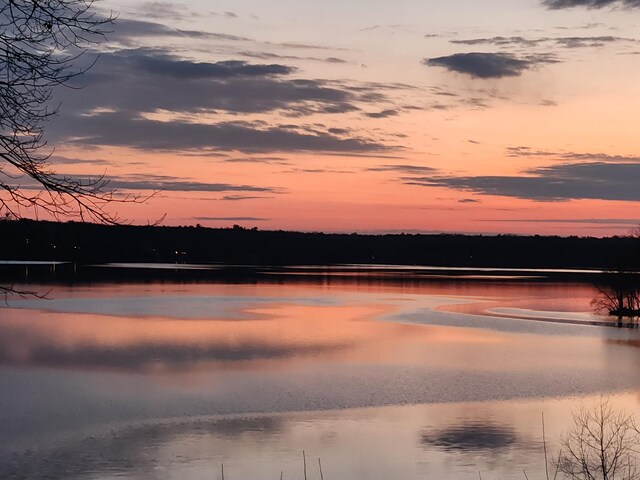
(460, 116)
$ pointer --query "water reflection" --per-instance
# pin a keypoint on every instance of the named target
(75, 370)
(500, 439)
(285, 333)
(140, 450)
(84, 341)
(473, 436)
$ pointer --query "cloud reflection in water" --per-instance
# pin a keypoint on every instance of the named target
(473, 436)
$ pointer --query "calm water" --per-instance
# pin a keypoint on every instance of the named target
(379, 380)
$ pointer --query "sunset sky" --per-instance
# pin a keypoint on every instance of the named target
(493, 116)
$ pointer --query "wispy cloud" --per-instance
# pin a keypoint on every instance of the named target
(566, 42)
(275, 56)
(128, 86)
(126, 29)
(137, 132)
(238, 198)
(581, 221)
(559, 4)
(139, 79)
(168, 183)
(402, 169)
(383, 113)
(166, 65)
(523, 151)
(568, 181)
(231, 219)
(488, 65)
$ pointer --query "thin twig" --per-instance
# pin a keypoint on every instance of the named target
(304, 464)
(555, 475)
(544, 446)
(320, 466)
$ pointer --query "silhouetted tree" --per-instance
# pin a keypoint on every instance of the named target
(602, 445)
(620, 296)
(40, 44)
(619, 293)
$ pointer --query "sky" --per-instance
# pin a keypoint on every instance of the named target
(493, 116)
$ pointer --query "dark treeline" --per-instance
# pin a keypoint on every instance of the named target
(91, 243)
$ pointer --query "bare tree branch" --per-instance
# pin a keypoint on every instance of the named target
(41, 42)
(602, 445)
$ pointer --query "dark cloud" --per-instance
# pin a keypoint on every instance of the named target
(305, 46)
(160, 63)
(125, 29)
(317, 170)
(521, 151)
(231, 219)
(488, 65)
(582, 42)
(593, 180)
(167, 183)
(139, 79)
(126, 86)
(265, 160)
(237, 198)
(581, 221)
(472, 437)
(417, 169)
(497, 41)
(383, 113)
(469, 200)
(275, 56)
(165, 65)
(567, 42)
(161, 183)
(372, 87)
(560, 4)
(123, 129)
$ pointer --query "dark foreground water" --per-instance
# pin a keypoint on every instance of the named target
(379, 380)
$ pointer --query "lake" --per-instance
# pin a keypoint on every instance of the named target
(380, 376)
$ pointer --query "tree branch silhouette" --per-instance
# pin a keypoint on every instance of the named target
(41, 42)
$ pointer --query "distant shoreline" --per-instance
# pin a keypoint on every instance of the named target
(88, 244)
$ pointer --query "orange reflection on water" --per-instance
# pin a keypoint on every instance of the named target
(276, 335)
(273, 327)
